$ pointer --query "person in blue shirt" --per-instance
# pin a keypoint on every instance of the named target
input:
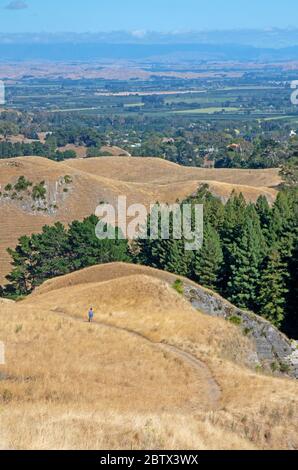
(90, 315)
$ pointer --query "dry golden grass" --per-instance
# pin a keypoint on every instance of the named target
(156, 170)
(42, 427)
(80, 150)
(151, 372)
(142, 180)
(114, 151)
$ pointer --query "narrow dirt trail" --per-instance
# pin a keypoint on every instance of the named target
(200, 366)
(203, 373)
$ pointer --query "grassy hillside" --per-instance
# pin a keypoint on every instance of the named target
(151, 372)
(95, 180)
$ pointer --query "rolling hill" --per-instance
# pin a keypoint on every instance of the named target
(74, 188)
(150, 372)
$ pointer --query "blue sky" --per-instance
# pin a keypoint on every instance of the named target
(138, 15)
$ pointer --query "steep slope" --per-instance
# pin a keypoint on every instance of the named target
(92, 181)
(151, 372)
(272, 348)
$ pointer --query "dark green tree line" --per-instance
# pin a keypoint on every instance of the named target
(249, 254)
(58, 250)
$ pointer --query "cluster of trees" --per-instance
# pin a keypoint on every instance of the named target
(259, 153)
(249, 254)
(89, 137)
(19, 149)
(182, 139)
(59, 250)
(177, 150)
(77, 135)
(189, 149)
(20, 123)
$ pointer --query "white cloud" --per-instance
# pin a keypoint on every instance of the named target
(139, 33)
(17, 5)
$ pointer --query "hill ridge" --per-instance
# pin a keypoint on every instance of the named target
(71, 384)
(92, 181)
(271, 345)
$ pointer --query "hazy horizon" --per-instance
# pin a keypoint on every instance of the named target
(260, 38)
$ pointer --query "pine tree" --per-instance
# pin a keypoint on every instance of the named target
(214, 209)
(273, 289)
(50, 253)
(284, 222)
(264, 212)
(39, 257)
(208, 261)
(234, 216)
(246, 254)
(85, 249)
(20, 278)
(230, 230)
(167, 254)
(175, 258)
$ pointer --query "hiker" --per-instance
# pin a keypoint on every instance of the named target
(90, 315)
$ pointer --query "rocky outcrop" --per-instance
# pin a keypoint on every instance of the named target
(274, 350)
(54, 194)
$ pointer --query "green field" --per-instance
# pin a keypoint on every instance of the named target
(134, 105)
(211, 110)
(200, 100)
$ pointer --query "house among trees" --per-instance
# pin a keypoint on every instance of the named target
(235, 147)
(168, 140)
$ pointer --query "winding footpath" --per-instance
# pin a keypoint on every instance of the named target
(202, 371)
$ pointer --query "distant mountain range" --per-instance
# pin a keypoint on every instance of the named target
(154, 53)
(240, 45)
(270, 38)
